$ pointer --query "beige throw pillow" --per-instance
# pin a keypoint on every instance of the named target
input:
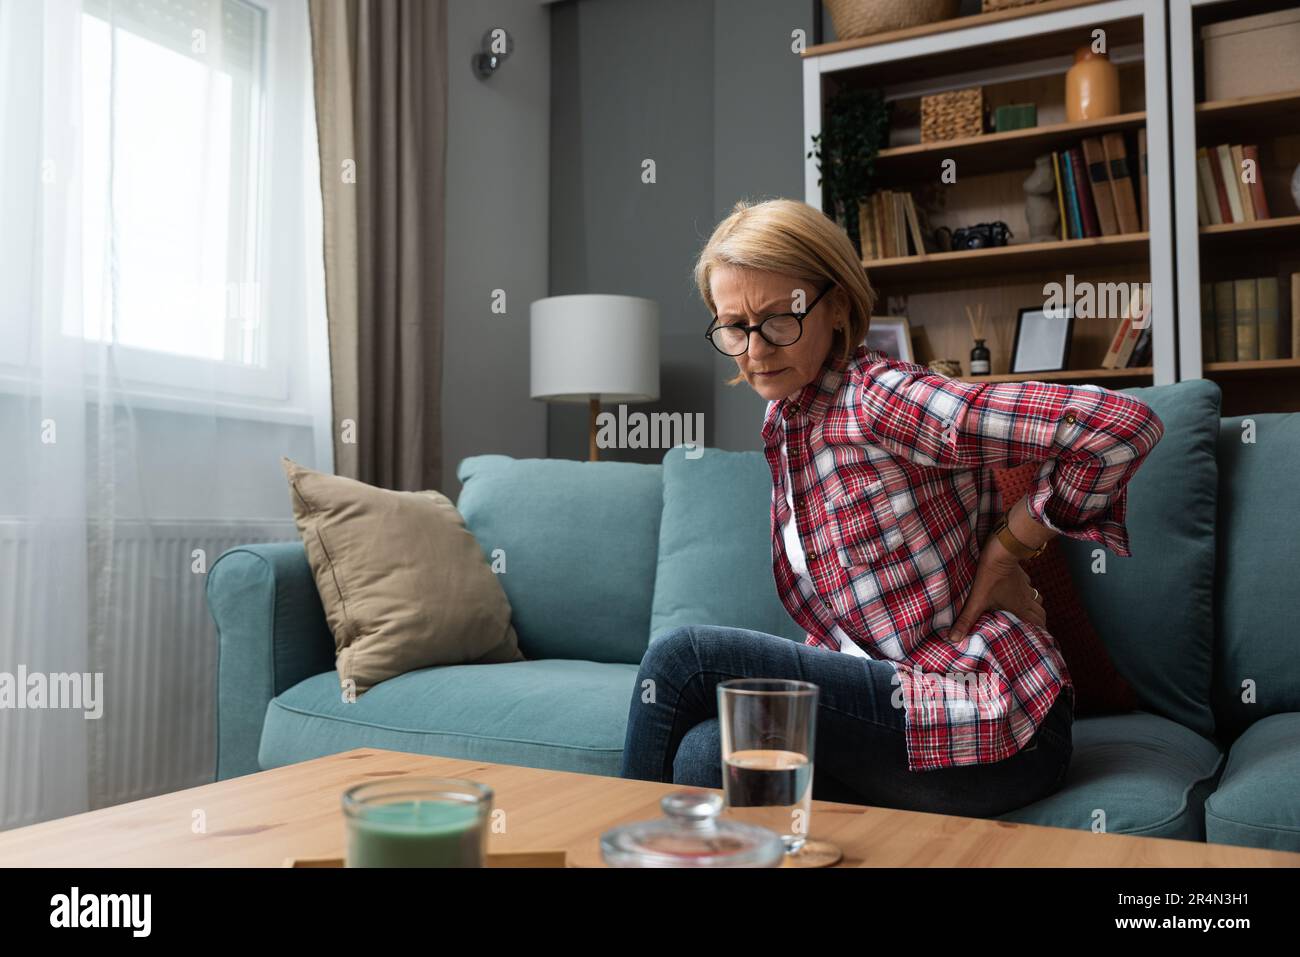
(404, 583)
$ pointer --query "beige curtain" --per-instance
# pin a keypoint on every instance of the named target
(381, 111)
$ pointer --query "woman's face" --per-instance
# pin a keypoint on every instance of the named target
(745, 296)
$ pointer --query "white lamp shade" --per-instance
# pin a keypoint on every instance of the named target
(594, 345)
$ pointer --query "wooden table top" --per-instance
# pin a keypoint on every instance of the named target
(294, 812)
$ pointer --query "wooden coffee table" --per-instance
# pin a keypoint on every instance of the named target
(293, 812)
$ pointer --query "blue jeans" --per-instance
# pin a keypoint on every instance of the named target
(861, 754)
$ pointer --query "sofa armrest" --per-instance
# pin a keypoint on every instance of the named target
(271, 634)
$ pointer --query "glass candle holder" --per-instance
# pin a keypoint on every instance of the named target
(417, 822)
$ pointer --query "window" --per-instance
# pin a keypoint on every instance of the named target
(172, 94)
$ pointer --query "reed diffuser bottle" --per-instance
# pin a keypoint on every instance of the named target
(980, 358)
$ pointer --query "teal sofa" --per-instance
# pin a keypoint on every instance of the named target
(603, 558)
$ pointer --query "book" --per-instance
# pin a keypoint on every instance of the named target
(867, 230)
(1116, 340)
(1257, 197)
(1243, 188)
(1266, 306)
(1230, 178)
(882, 231)
(1220, 192)
(1071, 200)
(1295, 315)
(900, 226)
(1207, 323)
(914, 224)
(1121, 182)
(1127, 346)
(1225, 322)
(1087, 212)
(1243, 295)
(1099, 179)
(1142, 351)
(1142, 176)
(1205, 188)
(1060, 195)
(882, 225)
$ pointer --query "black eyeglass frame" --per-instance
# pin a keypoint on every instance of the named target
(799, 317)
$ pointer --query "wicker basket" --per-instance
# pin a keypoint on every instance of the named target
(949, 367)
(860, 18)
(988, 6)
(948, 116)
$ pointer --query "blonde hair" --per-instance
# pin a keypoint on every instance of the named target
(789, 237)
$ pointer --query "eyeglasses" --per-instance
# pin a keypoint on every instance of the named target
(779, 329)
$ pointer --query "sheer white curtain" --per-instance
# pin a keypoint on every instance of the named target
(162, 344)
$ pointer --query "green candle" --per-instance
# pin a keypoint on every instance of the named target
(400, 824)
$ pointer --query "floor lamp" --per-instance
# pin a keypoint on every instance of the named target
(594, 348)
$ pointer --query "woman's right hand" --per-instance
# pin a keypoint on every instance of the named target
(1001, 583)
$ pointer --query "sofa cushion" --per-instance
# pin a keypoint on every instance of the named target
(561, 715)
(1257, 803)
(1136, 773)
(403, 583)
(1257, 671)
(578, 544)
(715, 546)
(1154, 610)
(1099, 688)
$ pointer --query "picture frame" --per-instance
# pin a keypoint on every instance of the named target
(891, 335)
(1042, 342)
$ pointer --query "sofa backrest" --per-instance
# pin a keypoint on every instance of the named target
(579, 542)
(1154, 610)
(715, 546)
(1257, 668)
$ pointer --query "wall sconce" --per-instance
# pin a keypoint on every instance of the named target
(495, 47)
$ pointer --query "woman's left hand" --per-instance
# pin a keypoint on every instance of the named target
(1000, 583)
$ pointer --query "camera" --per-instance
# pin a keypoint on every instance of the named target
(981, 236)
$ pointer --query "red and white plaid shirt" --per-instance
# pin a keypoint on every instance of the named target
(894, 496)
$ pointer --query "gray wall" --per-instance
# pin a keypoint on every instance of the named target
(712, 92)
(498, 170)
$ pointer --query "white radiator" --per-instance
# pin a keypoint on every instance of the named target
(135, 611)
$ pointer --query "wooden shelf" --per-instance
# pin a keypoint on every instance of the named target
(1068, 375)
(1246, 114)
(945, 26)
(994, 152)
(1278, 230)
(1250, 366)
(1072, 254)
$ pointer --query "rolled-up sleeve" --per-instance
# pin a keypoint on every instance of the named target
(1090, 440)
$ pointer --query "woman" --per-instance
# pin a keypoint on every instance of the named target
(941, 688)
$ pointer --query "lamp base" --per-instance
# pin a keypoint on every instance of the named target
(593, 406)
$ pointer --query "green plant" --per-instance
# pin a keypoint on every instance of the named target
(855, 126)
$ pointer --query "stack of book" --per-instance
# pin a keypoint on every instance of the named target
(1130, 346)
(1240, 320)
(1100, 189)
(1227, 189)
(889, 226)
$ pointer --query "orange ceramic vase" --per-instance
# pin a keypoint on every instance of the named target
(1091, 87)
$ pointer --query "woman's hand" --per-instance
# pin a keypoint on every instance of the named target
(1000, 583)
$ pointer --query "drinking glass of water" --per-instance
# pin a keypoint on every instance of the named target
(769, 737)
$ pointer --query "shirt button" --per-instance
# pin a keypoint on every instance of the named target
(1069, 417)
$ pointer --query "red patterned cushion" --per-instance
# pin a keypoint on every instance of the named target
(1099, 687)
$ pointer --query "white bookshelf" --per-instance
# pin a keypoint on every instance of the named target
(1001, 48)
(1275, 381)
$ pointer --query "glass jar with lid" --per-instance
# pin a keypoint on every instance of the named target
(691, 834)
